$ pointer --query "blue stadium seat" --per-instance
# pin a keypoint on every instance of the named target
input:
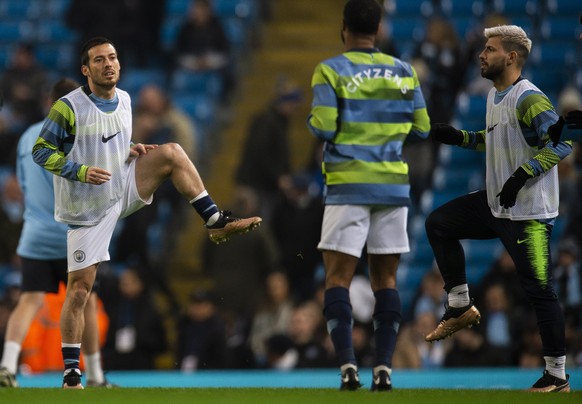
(515, 7)
(55, 9)
(187, 82)
(246, 10)
(20, 10)
(55, 31)
(462, 8)
(236, 32)
(471, 106)
(169, 32)
(177, 8)
(58, 57)
(16, 32)
(569, 8)
(411, 8)
(407, 28)
(565, 28)
(133, 80)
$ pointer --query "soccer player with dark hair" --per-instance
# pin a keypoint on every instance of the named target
(42, 249)
(365, 104)
(519, 205)
(101, 176)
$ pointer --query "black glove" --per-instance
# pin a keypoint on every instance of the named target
(574, 120)
(508, 193)
(555, 131)
(443, 133)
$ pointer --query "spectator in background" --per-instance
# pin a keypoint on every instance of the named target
(501, 325)
(202, 44)
(11, 210)
(273, 315)
(265, 164)
(23, 84)
(412, 352)
(238, 271)
(306, 330)
(201, 334)
(136, 331)
(157, 121)
(568, 281)
(295, 223)
(431, 296)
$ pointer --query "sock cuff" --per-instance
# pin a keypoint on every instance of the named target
(199, 196)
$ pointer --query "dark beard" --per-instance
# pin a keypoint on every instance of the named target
(492, 72)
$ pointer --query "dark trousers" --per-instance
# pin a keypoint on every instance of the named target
(527, 242)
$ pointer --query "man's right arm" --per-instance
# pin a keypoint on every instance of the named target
(55, 141)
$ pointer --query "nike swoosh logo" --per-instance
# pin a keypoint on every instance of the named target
(106, 139)
(489, 129)
(521, 241)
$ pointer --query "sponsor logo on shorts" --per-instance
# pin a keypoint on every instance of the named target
(79, 256)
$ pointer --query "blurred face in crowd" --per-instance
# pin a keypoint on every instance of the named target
(493, 59)
(102, 70)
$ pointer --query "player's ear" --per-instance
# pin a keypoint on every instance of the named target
(85, 70)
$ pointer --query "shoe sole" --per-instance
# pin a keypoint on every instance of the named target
(565, 388)
(466, 320)
(218, 236)
(77, 387)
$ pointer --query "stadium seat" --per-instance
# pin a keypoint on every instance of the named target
(411, 8)
(55, 9)
(406, 28)
(55, 31)
(569, 8)
(246, 10)
(515, 7)
(57, 57)
(462, 8)
(169, 32)
(565, 28)
(236, 32)
(187, 82)
(133, 80)
(16, 32)
(177, 8)
(20, 10)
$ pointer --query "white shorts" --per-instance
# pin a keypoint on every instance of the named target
(347, 228)
(89, 245)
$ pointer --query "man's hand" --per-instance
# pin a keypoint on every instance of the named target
(508, 193)
(574, 119)
(555, 131)
(140, 149)
(443, 133)
(97, 176)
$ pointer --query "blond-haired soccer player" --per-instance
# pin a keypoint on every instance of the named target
(519, 205)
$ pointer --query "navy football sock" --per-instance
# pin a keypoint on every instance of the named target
(338, 314)
(386, 323)
(71, 356)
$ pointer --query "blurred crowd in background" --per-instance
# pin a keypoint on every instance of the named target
(182, 62)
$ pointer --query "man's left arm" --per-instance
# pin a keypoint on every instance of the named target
(322, 121)
(536, 115)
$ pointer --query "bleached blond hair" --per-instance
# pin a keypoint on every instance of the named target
(513, 38)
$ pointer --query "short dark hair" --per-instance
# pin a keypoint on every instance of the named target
(96, 41)
(362, 16)
(62, 87)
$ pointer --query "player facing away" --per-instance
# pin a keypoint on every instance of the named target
(101, 176)
(365, 104)
(42, 249)
(519, 205)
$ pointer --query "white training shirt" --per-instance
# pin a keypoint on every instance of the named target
(101, 140)
(506, 150)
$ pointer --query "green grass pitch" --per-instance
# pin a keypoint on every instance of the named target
(277, 396)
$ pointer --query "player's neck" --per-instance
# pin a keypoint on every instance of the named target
(104, 93)
(506, 80)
